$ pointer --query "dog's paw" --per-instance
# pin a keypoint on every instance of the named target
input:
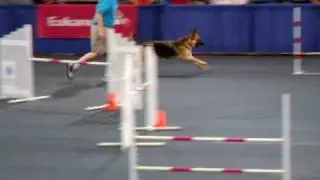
(205, 67)
(203, 63)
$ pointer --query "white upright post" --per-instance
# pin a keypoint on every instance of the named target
(138, 85)
(297, 49)
(286, 135)
(29, 63)
(133, 152)
(151, 63)
(127, 113)
(112, 58)
(133, 158)
(128, 120)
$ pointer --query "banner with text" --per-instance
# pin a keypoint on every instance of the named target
(74, 21)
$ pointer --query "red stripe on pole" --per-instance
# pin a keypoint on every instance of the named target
(298, 56)
(235, 139)
(182, 138)
(233, 171)
(297, 23)
(181, 169)
(298, 40)
(55, 60)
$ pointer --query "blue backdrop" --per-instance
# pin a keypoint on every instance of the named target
(263, 28)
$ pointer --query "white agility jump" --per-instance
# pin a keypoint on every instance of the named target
(15, 68)
(17, 74)
(285, 140)
(144, 81)
(48, 60)
(127, 109)
(21, 39)
(297, 45)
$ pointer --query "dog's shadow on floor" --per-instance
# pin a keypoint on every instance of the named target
(75, 89)
(99, 118)
(185, 75)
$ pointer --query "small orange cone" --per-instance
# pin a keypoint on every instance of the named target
(112, 104)
(161, 119)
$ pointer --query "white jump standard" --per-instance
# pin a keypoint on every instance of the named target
(16, 67)
(16, 71)
(16, 53)
(127, 110)
(285, 140)
(48, 60)
(297, 45)
(148, 73)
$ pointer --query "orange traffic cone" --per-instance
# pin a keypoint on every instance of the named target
(112, 104)
(161, 119)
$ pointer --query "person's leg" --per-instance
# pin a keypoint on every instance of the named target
(93, 43)
(97, 49)
(87, 57)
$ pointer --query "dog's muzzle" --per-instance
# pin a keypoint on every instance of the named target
(199, 43)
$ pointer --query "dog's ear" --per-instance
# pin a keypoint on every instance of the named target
(194, 32)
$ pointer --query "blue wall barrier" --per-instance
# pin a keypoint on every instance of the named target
(235, 29)
(263, 28)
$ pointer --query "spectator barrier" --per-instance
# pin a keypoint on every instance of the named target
(263, 28)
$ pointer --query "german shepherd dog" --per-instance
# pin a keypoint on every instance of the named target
(180, 48)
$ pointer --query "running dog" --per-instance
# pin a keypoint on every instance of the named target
(180, 48)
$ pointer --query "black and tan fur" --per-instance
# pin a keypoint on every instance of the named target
(180, 48)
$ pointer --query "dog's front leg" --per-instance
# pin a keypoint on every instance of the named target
(198, 62)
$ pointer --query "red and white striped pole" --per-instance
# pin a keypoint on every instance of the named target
(212, 139)
(297, 41)
(62, 61)
(213, 170)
